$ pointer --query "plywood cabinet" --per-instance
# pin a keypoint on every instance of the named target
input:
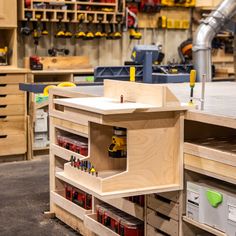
(8, 16)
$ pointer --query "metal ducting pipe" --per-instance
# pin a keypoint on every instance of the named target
(205, 34)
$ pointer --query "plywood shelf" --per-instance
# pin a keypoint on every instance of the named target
(69, 206)
(74, 8)
(210, 168)
(64, 153)
(203, 227)
(92, 224)
(221, 149)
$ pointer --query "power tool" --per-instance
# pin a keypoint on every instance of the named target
(132, 22)
(4, 53)
(118, 147)
(58, 52)
(35, 63)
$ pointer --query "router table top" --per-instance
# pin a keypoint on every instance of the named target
(220, 101)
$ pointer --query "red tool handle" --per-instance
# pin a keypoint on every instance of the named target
(27, 3)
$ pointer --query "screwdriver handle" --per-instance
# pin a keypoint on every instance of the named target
(193, 74)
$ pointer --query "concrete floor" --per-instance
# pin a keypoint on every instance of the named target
(24, 196)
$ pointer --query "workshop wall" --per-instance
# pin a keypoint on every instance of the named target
(106, 52)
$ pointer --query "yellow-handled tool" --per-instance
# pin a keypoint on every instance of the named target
(132, 74)
(193, 74)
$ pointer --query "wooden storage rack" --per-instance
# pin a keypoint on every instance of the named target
(91, 9)
(13, 116)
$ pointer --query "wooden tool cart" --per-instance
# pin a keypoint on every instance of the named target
(150, 167)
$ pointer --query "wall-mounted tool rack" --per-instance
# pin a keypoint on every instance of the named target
(68, 11)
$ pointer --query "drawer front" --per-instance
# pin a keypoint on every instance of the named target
(12, 99)
(12, 125)
(163, 206)
(12, 144)
(173, 196)
(163, 223)
(12, 110)
(10, 89)
(151, 231)
(12, 78)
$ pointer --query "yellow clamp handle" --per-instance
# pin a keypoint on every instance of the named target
(193, 74)
(66, 84)
(46, 90)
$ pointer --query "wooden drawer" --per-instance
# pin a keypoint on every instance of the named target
(163, 223)
(164, 206)
(12, 110)
(12, 144)
(10, 89)
(172, 196)
(12, 125)
(12, 78)
(151, 231)
(12, 99)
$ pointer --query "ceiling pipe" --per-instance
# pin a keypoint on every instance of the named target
(207, 30)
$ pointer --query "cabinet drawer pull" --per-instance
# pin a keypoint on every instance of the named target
(3, 106)
(3, 85)
(3, 117)
(3, 95)
(3, 136)
(2, 74)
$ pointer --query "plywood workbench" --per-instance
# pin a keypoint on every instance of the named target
(209, 148)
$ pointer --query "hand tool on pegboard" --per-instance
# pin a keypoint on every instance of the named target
(178, 3)
(80, 32)
(99, 33)
(89, 34)
(44, 29)
(60, 31)
(25, 29)
(132, 22)
(68, 33)
(36, 35)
